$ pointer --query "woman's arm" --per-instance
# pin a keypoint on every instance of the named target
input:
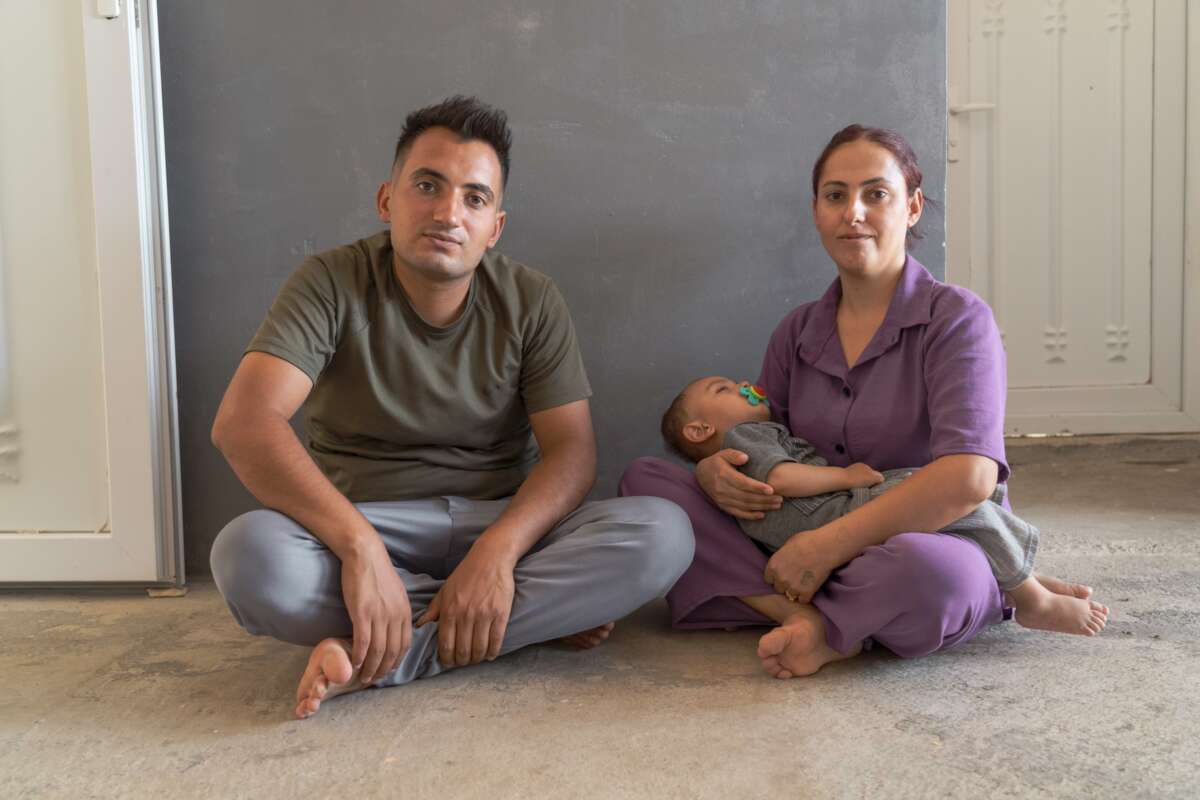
(947, 489)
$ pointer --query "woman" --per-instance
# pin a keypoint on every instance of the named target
(891, 368)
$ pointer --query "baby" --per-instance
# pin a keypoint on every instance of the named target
(715, 413)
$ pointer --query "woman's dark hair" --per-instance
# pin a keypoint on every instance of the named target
(889, 140)
(469, 117)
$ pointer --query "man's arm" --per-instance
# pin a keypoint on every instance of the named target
(251, 430)
(792, 479)
(554, 488)
(474, 604)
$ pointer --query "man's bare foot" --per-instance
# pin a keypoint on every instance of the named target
(586, 640)
(1049, 604)
(328, 674)
(798, 647)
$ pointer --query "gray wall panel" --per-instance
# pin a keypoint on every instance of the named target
(660, 171)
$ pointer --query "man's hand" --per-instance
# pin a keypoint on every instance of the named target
(378, 606)
(801, 566)
(472, 608)
(734, 493)
(863, 477)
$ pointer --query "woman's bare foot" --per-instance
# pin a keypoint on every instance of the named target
(586, 640)
(798, 647)
(328, 674)
(1049, 604)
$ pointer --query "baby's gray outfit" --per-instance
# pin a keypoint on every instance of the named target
(1008, 541)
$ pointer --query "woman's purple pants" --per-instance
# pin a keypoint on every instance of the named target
(914, 594)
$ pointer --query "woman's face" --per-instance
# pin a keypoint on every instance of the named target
(863, 210)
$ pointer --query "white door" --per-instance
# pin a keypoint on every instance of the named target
(87, 461)
(1065, 207)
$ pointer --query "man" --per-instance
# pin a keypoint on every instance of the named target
(420, 530)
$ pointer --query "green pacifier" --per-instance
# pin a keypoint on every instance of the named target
(754, 395)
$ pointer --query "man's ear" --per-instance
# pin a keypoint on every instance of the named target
(383, 202)
(500, 218)
(697, 431)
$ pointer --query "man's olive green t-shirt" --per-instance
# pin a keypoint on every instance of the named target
(401, 409)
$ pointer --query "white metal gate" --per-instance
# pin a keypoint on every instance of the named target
(1066, 203)
(87, 456)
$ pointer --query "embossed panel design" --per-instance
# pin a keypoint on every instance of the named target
(10, 448)
(53, 448)
(1058, 107)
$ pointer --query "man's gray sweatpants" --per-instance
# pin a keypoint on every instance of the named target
(600, 563)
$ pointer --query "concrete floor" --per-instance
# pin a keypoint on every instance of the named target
(122, 696)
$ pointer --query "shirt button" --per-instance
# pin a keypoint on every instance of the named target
(846, 391)
(841, 449)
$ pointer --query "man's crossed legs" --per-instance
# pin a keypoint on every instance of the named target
(601, 562)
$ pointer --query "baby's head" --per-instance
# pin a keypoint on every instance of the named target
(698, 419)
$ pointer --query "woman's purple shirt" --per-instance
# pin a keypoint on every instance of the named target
(930, 383)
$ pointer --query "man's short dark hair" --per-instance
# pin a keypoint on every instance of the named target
(469, 117)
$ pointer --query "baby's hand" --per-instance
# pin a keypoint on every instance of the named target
(862, 477)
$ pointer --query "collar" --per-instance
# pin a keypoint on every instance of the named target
(912, 304)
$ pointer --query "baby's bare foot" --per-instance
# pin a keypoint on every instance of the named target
(798, 647)
(328, 674)
(1058, 586)
(1041, 606)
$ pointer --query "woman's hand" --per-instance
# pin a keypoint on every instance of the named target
(733, 492)
(801, 566)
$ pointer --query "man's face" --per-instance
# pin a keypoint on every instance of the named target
(443, 206)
